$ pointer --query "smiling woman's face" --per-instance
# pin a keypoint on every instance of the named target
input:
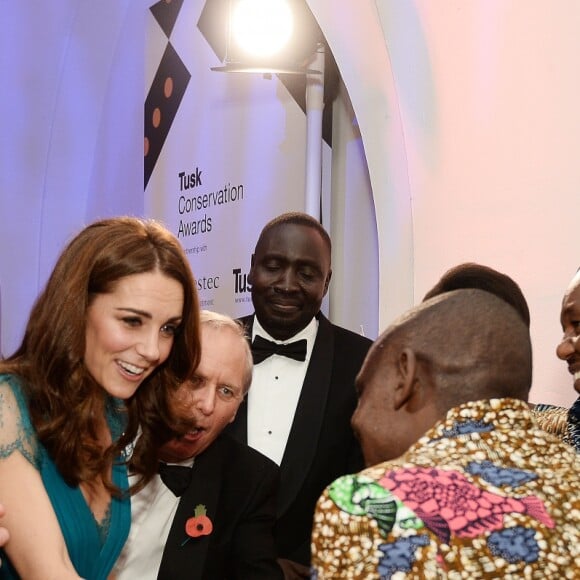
(130, 331)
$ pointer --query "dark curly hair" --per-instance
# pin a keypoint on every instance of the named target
(478, 276)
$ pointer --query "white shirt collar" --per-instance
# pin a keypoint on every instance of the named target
(308, 332)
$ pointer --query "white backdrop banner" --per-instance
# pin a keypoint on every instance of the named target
(224, 153)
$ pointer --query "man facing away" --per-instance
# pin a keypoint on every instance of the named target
(299, 409)
(210, 513)
(463, 483)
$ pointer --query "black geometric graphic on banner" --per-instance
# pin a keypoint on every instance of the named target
(163, 100)
(166, 12)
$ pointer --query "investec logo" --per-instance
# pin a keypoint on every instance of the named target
(241, 286)
(208, 283)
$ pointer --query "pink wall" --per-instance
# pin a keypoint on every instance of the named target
(470, 116)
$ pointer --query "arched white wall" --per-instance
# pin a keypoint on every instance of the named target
(470, 110)
(354, 34)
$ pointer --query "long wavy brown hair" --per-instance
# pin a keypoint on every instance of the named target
(66, 404)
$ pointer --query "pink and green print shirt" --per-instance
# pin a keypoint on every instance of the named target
(484, 494)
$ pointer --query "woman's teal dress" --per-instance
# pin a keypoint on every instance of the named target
(93, 547)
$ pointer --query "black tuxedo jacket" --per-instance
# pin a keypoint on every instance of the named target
(321, 445)
(238, 487)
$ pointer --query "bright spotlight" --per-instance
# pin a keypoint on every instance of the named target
(262, 27)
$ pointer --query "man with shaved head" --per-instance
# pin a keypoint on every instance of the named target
(461, 481)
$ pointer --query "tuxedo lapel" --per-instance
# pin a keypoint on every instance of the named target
(302, 441)
(183, 556)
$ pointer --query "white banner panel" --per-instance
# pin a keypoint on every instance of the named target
(232, 157)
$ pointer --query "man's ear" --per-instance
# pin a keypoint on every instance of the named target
(407, 368)
(235, 412)
(251, 272)
(327, 282)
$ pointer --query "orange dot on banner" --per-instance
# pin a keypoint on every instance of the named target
(146, 146)
(156, 117)
(168, 87)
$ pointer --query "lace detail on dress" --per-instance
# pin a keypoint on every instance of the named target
(16, 431)
(117, 420)
(104, 525)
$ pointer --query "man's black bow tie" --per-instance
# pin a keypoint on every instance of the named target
(176, 477)
(262, 349)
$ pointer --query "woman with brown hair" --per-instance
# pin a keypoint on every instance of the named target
(116, 328)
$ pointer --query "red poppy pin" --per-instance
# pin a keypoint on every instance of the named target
(199, 524)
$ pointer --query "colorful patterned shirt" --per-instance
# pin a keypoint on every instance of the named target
(484, 494)
(560, 421)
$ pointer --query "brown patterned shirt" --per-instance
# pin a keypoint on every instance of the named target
(484, 494)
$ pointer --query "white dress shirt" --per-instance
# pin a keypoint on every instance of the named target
(152, 513)
(273, 397)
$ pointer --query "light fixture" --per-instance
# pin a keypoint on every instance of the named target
(261, 28)
(265, 36)
(241, 34)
